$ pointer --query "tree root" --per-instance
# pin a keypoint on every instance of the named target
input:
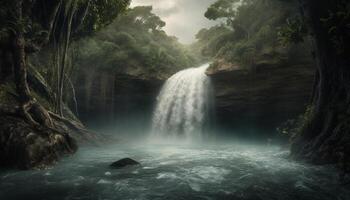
(76, 126)
(36, 114)
(41, 119)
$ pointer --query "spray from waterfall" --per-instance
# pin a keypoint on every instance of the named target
(183, 108)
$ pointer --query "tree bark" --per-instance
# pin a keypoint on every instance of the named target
(66, 39)
(19, 58)
(74, 97)
(52, 19)
(31, 109)
(323, 133)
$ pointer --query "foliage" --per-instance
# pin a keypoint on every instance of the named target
(225, 9)
(246, 39)
(134, 41)
(49, 25)
(292, 127)
(338, 25)
(213, 39)
(294, 31)
(102, 13)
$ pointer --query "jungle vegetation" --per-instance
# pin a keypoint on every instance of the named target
(136, 40)
(243, 38)
(256, 30)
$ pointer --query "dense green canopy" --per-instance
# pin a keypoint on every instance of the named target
(250, 33)
(135, 40)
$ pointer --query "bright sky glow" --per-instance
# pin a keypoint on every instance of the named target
(184, 18)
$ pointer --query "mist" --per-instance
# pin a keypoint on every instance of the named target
(174, 99)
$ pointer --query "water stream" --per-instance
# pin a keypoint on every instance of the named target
(184, 105)
(172, 172)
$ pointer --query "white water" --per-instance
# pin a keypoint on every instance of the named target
(183, 106)
(220, 171)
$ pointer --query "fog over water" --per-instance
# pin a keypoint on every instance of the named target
(208, 171)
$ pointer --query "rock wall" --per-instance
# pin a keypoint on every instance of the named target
(262, 97)
(105, 96)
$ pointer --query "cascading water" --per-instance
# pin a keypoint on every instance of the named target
(184, 106)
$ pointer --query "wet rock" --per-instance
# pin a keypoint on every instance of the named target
(25, 147)
(124, 163)
(107, 95)
(262, 97)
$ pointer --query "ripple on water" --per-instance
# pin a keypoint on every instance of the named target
(167, 176)
(210, 172)
(103, 181)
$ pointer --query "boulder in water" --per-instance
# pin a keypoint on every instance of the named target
(124, 163)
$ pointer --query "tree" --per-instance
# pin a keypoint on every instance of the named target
(225, 9)
(246, 39)
(143, 17)
(136, 39)
(325, 135)
(99, 14)
(28, 26)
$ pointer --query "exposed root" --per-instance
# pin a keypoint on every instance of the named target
(36, 114)
(25, 111)
(47, 122)
(83, 133)
(74, 125)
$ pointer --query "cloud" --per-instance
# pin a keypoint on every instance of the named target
(184, 18)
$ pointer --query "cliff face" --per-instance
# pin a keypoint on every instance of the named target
(262, 97)
(105, 96)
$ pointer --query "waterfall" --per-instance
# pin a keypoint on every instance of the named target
(183, 106)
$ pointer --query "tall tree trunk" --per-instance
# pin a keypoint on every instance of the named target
(325, 132)
(19, 58)
(31, 109)
(74, 96)
(66, 39)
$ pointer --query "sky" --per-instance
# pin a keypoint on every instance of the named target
(184, 18)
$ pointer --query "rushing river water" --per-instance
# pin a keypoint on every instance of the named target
(211, 171)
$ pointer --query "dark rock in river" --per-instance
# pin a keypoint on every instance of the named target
(124, 163)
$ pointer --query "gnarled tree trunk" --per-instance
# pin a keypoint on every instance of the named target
(325, 137)
(31, 109)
